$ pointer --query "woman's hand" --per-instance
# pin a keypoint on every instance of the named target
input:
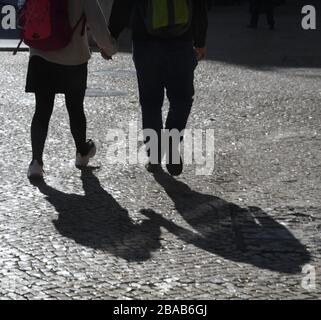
(105, 55)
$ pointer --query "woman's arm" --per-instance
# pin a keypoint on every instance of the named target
(99, 27)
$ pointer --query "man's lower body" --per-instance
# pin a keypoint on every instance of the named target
(165, 66)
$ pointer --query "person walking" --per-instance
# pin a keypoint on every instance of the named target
(259, 6)
(58, 65)
(169, 38)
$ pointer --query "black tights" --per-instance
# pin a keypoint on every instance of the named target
(40, 123)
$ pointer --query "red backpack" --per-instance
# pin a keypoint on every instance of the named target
(45, 25)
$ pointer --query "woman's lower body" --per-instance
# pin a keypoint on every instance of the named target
(45, 80)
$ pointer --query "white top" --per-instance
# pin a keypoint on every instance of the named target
(78, 52)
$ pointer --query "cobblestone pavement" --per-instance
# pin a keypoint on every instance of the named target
(115, 231)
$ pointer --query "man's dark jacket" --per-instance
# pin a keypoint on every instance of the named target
(126, 13)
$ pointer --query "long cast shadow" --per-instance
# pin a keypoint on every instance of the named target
(246, 235)
(98, 221)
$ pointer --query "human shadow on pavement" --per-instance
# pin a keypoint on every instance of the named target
(247, 235)
(96, 220)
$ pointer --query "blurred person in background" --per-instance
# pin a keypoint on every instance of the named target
(257, 7)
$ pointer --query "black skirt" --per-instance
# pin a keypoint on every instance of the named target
(45, 76)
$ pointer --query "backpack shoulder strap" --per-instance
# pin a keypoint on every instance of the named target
(18, 47)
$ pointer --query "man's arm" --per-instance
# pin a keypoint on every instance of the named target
(200, 23)
(120, 16)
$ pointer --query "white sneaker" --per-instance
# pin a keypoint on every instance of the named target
(35, 170)
(82, 161)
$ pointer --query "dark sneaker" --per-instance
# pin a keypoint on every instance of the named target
(153, 167)
(174, 162)
(83, 160)
(35, 170)
(175, 169)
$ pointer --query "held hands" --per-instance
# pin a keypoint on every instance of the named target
(105, 55)
(108, 52)
(200, 53)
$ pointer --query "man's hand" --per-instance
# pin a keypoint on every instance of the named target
(105, 55)
(200, 53)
